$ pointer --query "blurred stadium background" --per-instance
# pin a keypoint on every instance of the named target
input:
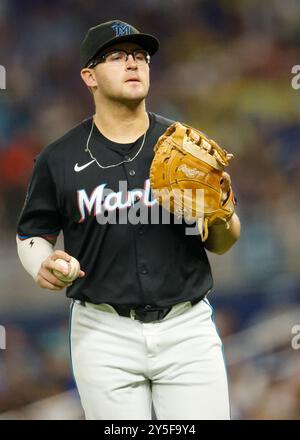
(225, 68)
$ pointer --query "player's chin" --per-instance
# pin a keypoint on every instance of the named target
(136, 91)
(133, 98)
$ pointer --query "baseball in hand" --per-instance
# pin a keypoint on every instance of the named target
(72, 266)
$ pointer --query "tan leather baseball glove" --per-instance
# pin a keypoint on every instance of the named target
(188, 179)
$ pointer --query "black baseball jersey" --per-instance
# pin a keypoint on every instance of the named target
(110, 221)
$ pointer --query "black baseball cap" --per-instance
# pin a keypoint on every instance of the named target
(104, 35)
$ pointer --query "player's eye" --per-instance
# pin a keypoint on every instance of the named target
(140, 55)
(116, 56)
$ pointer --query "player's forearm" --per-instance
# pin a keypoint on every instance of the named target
(32, 252)
(220, 239)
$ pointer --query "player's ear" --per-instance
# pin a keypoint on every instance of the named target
(88, 76)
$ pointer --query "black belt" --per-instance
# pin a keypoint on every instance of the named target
(147, 313)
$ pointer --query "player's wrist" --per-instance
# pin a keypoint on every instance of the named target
(33, 252)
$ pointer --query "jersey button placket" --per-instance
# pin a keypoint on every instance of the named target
(144, 270)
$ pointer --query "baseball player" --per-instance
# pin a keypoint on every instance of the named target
(141, 326)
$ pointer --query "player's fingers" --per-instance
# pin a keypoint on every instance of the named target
(51, 278)
(60, 254)
(42, 282)
(81, 274)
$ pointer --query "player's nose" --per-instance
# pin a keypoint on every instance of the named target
(131, 63)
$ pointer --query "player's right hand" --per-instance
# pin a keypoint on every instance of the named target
(45, 277)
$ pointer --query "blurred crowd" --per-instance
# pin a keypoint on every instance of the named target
(223, 67)
(35, 364)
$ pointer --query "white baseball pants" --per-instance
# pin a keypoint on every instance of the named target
(121, 365)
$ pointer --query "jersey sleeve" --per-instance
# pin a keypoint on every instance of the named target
(40, 215)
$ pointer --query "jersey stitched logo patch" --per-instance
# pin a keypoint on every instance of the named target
(103, 199)
(78, 168)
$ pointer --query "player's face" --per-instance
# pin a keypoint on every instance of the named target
(126, 81)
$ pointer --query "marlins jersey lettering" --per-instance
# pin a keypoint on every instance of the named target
(107, 218)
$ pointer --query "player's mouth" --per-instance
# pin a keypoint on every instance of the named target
(133, 80)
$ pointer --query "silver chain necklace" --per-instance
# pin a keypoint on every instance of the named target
(87, 149)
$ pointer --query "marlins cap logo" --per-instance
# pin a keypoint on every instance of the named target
(121, 29)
